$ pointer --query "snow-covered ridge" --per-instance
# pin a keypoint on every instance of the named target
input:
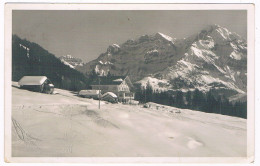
(105, 63)
(116, 45)
(165, 36)
(222, 35)
(25, 48)
(66, 63)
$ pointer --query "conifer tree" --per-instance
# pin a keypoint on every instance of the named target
(188, 99)
(179, 99)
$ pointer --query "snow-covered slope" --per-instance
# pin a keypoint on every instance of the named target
(64, 125)
(71, 61)
(156, 84)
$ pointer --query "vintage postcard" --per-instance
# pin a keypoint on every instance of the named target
(135, 83)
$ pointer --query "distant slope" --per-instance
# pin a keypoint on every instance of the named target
(31, 59)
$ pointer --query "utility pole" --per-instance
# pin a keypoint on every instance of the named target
(98, 92)
(220, 105)
(145, 93)
(130, 94)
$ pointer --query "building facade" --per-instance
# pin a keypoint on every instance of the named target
(119, 85)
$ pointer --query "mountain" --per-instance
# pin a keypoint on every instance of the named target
(29, 58)
(136, 58)
(213, 58)
(71, 61)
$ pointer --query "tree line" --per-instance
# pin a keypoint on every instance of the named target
(209, 102)
(39, 62)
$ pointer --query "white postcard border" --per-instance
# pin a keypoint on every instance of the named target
(250, 82)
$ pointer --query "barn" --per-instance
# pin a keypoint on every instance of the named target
(36, 83)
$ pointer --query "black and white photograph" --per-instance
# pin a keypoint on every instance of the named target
(137, 82)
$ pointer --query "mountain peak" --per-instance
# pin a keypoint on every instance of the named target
(71, 61)
(219, 34)
(212, 27)
(216, 26)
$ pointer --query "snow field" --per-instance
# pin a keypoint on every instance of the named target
(64, 125)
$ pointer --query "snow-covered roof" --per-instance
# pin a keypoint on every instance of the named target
(89, 92)
(119, 80)
(110, 94)
(32, 80)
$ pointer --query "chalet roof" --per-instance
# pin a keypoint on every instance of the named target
(32, 80)
(112, 80)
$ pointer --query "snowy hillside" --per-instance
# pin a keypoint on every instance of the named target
(156, 84)
(64, 125)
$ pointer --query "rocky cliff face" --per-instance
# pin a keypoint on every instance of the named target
(212, 58)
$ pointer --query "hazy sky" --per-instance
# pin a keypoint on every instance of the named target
(87, 34)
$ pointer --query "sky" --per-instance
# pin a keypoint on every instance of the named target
(87, 34)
